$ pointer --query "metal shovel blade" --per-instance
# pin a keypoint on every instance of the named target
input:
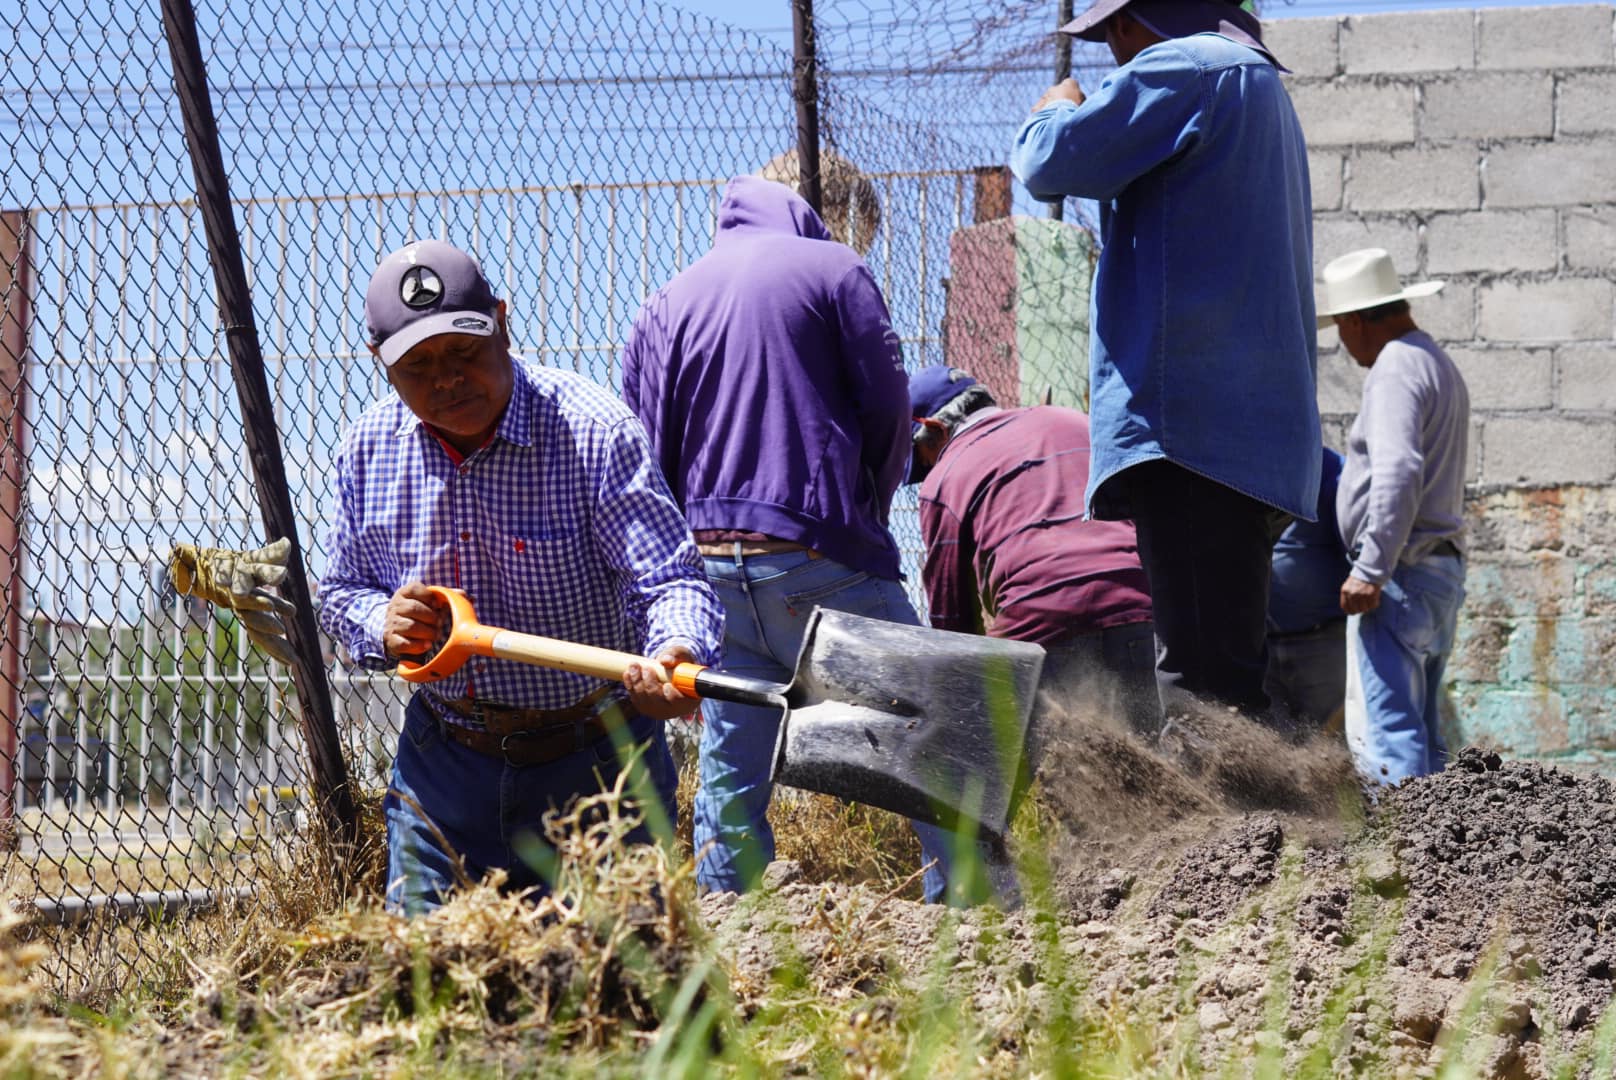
(926, 723)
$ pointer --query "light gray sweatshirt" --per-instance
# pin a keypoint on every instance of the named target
(1402, 488)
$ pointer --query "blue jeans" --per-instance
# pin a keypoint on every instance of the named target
(450, 804)
(767, 601)
(1401, 649)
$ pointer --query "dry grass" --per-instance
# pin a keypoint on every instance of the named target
(832, 840)
(312, 978)
(316, 979)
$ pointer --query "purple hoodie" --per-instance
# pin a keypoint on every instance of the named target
(770, 381)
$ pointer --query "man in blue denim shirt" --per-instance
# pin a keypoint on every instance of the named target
(1203, 352)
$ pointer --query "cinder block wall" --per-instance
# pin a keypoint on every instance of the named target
(1480, 147)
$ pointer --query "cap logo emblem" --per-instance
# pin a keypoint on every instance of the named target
(470, 322)
(420, 288)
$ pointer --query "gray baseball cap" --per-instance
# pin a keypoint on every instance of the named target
(422, 290)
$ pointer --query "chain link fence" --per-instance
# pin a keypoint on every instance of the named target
(580, 150)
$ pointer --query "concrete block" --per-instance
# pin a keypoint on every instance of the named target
(1473, 451)
(1568, 36)
(1405, 41)
(1309, 47)
(1588, 103)
(1560, 651)
(1549, 174)
(1440, 178)
(1450, 315)
(1518, 723)
(1478, 650)
(1539, 587)
(1591, 712)
(1354, 113)
(1507, 378)
(1586, 377)
(1488, 106)
(1017, 309)
(1599, 593)
(1590, 237)
(1336, 234)
(1577, 521)
(1325, 169)
(1340, 385)
(1566, 309)
(1335, 430)
(1548, 450)
(1497, 240)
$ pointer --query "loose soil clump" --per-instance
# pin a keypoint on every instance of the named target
(1239, 897)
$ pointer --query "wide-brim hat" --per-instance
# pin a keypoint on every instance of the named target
(1090, 26)
(1364, 279)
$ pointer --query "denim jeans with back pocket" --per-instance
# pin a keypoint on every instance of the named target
(1399, 653)
(767, 601)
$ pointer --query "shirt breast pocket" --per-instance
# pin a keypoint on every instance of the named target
(539, 558)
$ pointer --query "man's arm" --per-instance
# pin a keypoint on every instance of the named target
(352, 600)
(873, 362)
(949, 573)
(641, 534)
(1393, 418)
(1144, 114)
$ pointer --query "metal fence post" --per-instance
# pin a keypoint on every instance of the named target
(333, 797)
(1063, 71)
(15, 251)
(805, 90)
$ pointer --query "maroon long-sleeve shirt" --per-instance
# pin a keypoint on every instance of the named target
(1007, 550)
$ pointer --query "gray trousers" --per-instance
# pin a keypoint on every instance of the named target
(1307, 675)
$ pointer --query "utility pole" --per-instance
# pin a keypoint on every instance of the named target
(805, 90)
(1063, 70)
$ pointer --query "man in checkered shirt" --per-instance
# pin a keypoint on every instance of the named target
(535, 492)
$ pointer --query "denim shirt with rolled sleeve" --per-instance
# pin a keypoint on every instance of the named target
(1203, 343)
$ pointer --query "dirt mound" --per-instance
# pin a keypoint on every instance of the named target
(1119, 808)
(1512, 856)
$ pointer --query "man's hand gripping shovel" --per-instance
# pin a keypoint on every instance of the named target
(925, 723)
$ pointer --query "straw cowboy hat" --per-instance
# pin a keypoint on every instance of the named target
(1364, 279)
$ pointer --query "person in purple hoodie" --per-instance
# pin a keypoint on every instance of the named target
(770, 381)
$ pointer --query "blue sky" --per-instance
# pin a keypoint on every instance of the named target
(776, 17)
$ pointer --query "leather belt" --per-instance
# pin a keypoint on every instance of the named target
(726, 549)
(539, 747)
(499, 719)
(1446, 547)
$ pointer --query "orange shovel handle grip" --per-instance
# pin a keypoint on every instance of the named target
(468, 638)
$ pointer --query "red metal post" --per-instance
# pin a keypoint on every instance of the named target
(14, 315)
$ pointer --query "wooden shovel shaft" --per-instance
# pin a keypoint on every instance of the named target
(468, 637)
(585, 659)
(691, 680)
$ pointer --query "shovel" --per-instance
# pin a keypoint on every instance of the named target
(926, 723)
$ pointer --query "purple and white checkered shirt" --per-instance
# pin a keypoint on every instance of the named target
(562, 526)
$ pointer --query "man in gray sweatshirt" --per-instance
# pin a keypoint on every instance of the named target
(1400, 506)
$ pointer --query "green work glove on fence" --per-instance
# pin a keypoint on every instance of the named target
(239, 580)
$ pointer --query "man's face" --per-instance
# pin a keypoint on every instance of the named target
(1355, 339)
(458, 383)
(1126, 37)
